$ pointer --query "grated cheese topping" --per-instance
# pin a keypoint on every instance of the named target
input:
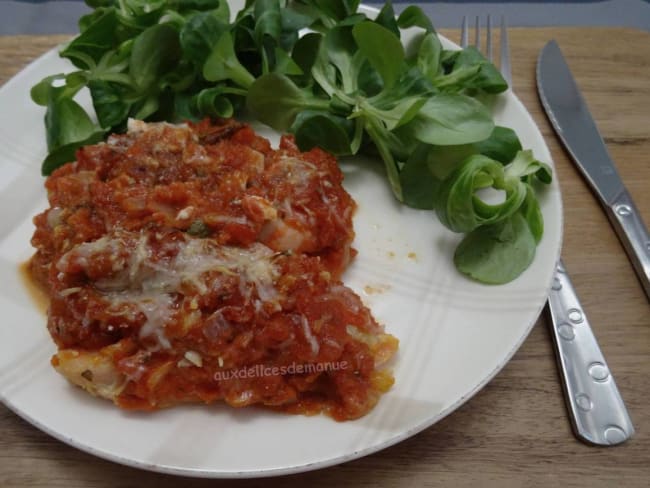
(149, 285)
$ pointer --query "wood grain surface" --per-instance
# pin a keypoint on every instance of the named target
(514, 432)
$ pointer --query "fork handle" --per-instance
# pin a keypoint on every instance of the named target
(598, 414)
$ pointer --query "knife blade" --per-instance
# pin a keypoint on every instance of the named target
(576, 128)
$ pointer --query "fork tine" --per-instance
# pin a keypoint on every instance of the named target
(464, 37)
(506, 70)
(477, 41)
(488, 41)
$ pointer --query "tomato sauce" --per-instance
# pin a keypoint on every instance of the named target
(179, 259)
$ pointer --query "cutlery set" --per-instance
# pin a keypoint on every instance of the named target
(598, 413)
(596, 410)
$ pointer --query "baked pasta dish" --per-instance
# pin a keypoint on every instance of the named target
(195, 263)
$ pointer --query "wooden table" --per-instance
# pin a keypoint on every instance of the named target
(515, 432)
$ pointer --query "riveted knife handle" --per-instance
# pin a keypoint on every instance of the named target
(598, 414)
(633, 233)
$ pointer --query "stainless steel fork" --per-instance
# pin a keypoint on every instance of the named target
(596, 409)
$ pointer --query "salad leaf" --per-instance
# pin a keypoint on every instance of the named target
(488, 78)
(222, 64)
(200, 34)
(322, 129)
(498, 253)
(462, 210)
(414, 16)
(428, 59)
(524, 164)
(340, 46)
(305, 51)
(155, 52)
(87, 48)
(68, 127)
(213, 102)
(502, 145)
(533, 214)
(383, 50)
(275, 100)
(420, 186)
(109, 100)
(386, 18)
(447, 119)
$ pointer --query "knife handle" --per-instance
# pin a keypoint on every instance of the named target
(598, 414)
(633, 233)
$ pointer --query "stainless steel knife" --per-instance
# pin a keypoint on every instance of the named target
(569, 115)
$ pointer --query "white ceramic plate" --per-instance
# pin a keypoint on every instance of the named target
(455, 335)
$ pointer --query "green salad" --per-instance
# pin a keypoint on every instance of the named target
(332, 77)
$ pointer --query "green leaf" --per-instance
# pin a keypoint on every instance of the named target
(324, 73)
(410, 83)
(66, 122)
(214, 102)
(68, 127)
(293, 21)
(87, 48)
(524, 164)
(402, 113)
(65, 154)
(43, 91)
(497, 254)
(331, 12)
(428, 60)
(222, 64)
(109, 102)
(414, 16)
(155, 52)
(502, 145)
(218, 6)
(322, 129)
(353, 20)
(382, 48)
(87, 20)
(462, 210)
(284, 64)
(386, 18)
(99, 3)
(143, 8)
(184, 107)
(533, 214)
(420, 187)
(341, 48)
(382, 139)
(488, 77)
(146, 107)
(457, 80)
(180, 79)
(276, 101)
(200, 34)
(268, 20)
(368, 80)
(447, 119)
(305, 51)
(444, 160)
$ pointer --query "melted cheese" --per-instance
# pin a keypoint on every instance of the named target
(298, 172)
(311, 339)
(144, 285)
